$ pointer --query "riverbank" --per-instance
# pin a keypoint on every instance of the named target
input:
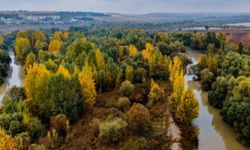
(213, 132)
(15, 76)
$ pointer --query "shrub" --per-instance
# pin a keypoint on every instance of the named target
(140, 75)
(123, 103)
(127, 88)
(112, 131)
(34, 126)
(138, 118)
(15, 127)
(5, 120)
(17, 93)
(137, 144)
(59, 123)
(23, 140)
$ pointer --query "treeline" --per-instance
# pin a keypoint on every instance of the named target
(4, 60)
(68, 73)
(225, 74)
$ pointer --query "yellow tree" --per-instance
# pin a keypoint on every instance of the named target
(148, 51)
(129, 73)
(58, 35)
(178, 86)
(65, 35)
(30, 59)
(132, 50)
(99, 59)
(36, 81)
(39, 36)
(156, 93)
(188, 109)
(175, 69)
(88, 85)
(7, 142)
(22, 47)
(63, 71)
(55, 46)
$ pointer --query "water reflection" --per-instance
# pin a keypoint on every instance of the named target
(214, 133)
(15, 76)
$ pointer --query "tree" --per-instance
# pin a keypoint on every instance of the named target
(36, 87)
(22, 48)
(175, 70)
(132, 50)
(30, 60)
(138, 118)
(55, 46)
(241, 48)
(182, 103)
(40, 45)
(219, 91)
(207, 78)
(63, 71)
(236, 109)
(129, 73)
(39, 36)
(156, 93)
(99, 59)
(210, 60)
(88, 85)
(148, 51)
(188, 109)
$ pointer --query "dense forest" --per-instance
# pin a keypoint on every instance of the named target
(4, 60)
(88, 88)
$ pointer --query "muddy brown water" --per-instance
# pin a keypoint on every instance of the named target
(214, 133)
(15, 76)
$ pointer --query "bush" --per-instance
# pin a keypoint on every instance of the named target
(59, 123)
(140, 75)
(123, 103)
(5, 120)
(17, 93)
(137, 144)
(112, 131)
(15, 127)
(138, 118)
(126, 88)
(34, 126)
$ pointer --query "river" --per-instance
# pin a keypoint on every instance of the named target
(15, 76)
(214, 133)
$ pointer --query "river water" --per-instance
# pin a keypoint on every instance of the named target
(214, 133)
(15, 76)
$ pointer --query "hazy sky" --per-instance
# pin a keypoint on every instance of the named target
(129, 6)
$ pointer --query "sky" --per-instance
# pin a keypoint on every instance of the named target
(129, 6)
